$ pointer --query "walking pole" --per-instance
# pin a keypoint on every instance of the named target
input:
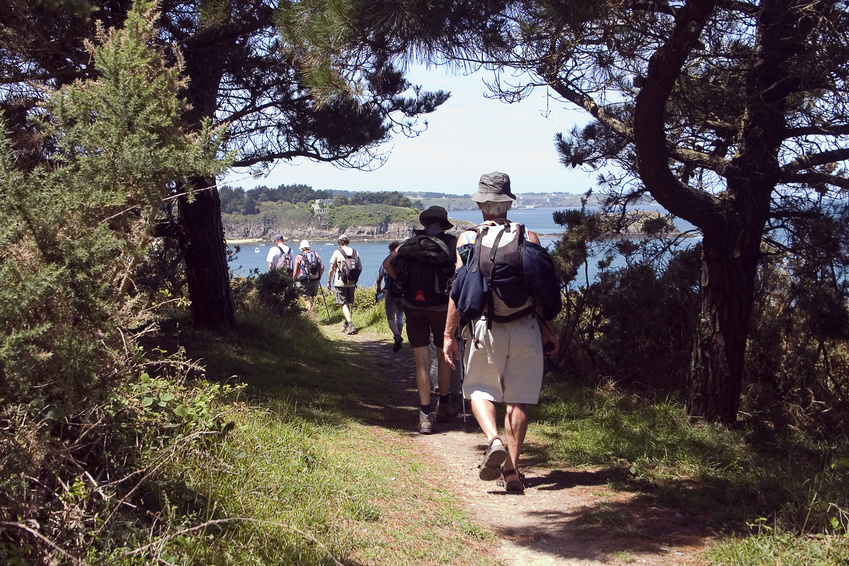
(461, 350)
(326, 310)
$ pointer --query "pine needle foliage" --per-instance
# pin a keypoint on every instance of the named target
(75, 224)
(73, 227)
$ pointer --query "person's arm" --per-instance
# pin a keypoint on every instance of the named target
(332, 270)
(380, 273)
(269, 257)
(450, 349)
(387, 264)
(550, 344)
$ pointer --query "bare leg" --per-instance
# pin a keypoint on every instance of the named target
(516, 425)
(422, 356)
(346, 312)
(484, 412)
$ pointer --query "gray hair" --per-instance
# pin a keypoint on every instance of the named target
(496, 209)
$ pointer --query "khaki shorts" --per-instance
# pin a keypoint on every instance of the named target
(504, 364)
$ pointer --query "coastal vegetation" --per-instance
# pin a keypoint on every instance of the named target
(716, 110)
(258, 213)
(130, 435)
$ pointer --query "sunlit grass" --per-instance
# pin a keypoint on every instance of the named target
(786, 550)
(304, 465)
(794, 484)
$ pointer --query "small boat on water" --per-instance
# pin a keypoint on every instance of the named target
(256, 250)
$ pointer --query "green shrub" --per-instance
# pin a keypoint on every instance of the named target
(634, 324)
(74, 230)
(272, 292)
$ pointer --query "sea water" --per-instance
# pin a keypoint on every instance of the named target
(252, 256)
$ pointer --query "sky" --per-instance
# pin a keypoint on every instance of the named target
(467, 136)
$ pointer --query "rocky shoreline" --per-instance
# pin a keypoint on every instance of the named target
(259, 231)
(263, 229)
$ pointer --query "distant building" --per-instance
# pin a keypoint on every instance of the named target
(533, 201)
(319, 207)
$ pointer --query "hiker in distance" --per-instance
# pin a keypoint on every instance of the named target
(423, 265)
(346, 266)
(393, 300)
(308, 271)
(280, 256)
(507, 329)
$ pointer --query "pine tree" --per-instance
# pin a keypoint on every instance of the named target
(74, 228)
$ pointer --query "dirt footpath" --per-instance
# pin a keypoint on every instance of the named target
(565, 516)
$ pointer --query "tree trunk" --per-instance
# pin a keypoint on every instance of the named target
(729, 267)
(207, 272)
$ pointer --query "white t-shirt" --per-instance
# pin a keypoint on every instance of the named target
(336, 262)
(275, 255)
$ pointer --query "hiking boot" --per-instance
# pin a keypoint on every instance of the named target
(344, 328)
(397, 345)
(446, 412)
(425, 423)
(351, 329)
(457, 401)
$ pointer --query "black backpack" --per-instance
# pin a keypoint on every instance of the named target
(392, 286)
(520, 272)
(348, 271)
(499, 254)
(310, 268)
(425, 267)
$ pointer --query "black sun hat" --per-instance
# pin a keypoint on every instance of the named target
(436, 212)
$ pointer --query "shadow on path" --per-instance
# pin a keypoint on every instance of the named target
(565, 516)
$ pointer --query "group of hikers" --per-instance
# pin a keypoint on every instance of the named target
(307, 268)
(487, 295)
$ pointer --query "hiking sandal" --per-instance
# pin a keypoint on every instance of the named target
(490, 466)
(511, 486)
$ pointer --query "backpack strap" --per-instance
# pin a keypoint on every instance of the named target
(490, 303)
(476, 261)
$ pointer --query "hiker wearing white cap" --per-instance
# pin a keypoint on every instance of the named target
(308, 271)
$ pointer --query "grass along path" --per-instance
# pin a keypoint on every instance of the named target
(313, 464)
(328, 446)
